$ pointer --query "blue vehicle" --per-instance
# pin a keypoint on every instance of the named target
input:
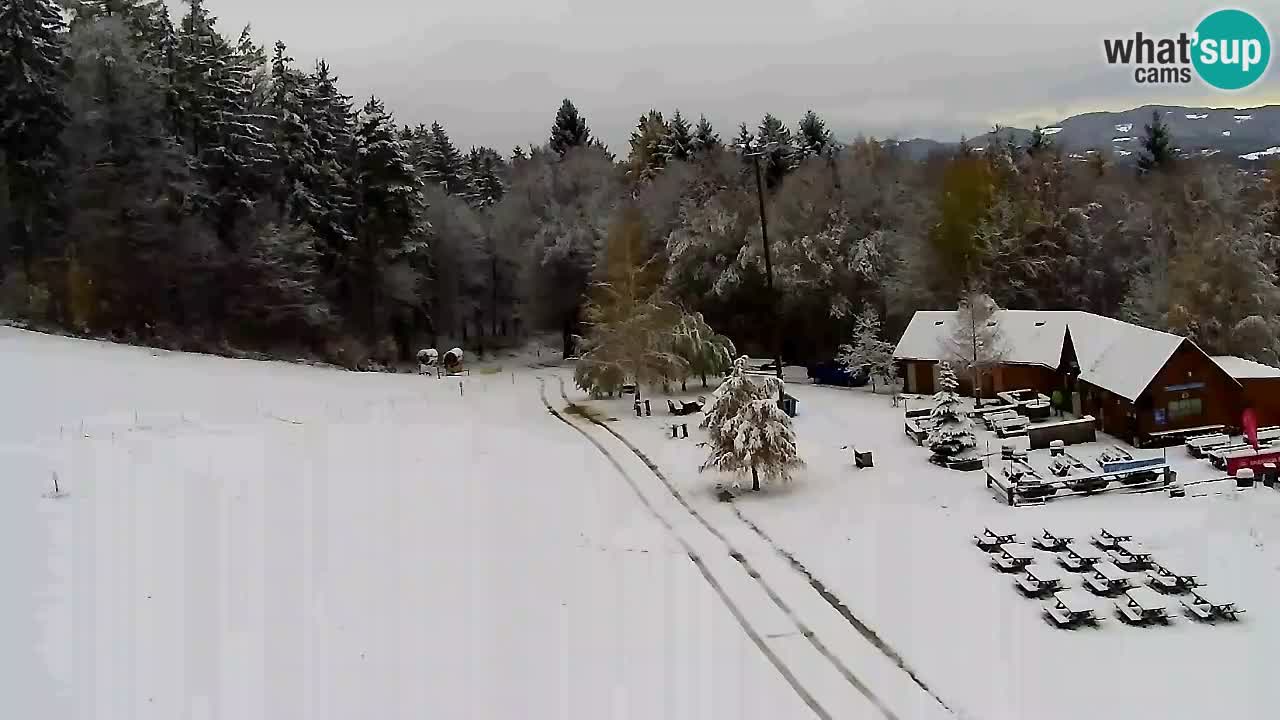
(833, 372)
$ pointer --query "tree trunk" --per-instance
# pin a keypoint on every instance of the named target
(755, 479)
(704, 381)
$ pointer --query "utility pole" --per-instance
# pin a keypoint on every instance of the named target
(768, 261)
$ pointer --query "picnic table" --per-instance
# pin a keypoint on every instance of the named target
(1162, 577)
(1206, 605)
(1132, 556)
(1014, 556)
(1199, 445)
(1071, 607)
(1078, 557)
(1109, 540)
(1142, 605)
(1040, 580)
(990, 541)
(991, 418)
(1107, 579)
(1051, 542)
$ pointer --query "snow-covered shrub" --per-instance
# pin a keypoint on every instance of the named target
(747, 429)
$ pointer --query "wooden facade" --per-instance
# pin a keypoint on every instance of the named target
(1263, 395)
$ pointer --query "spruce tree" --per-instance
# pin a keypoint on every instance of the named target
(292, 101)
(678, 140)
(952, 432)
(705, 138)
(813, 138)
(333, 130)
(482, 176)
(443, 163)
(389, 226)
(570, 129)
(1157, 147)
(647, 157)
(33, 113)
(1039, 143)
(781, 156)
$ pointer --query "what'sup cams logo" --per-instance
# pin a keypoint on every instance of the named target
(1229, 50)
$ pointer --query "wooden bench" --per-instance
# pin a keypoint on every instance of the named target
(1165, 438)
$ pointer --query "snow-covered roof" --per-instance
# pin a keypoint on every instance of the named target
(1242, 369)
(1112, 354)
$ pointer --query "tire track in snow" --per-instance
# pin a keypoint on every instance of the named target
(751, 632)
(805, 631)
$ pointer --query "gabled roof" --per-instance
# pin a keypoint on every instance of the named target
(1242, 369)
(1113, 355)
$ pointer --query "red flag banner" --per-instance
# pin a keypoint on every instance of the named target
(1250, 425)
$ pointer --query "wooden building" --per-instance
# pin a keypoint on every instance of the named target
(1137, 382)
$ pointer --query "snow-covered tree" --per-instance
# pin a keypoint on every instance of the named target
(390, 230)
(647, 157)
(748, 431)
(442, 163)
(813, 138)
(867, 349)
(704, 351)
(280, 292)
(705, 138)
(570, 129)
(482, 176)
(33, 112)
(780, 153)
(677, 142)
(1039, 143)
(952, 432)
(976, 343)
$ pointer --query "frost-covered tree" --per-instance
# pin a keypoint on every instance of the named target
(647, 156)
(297, 175)
(780, 153)
(976, 343)
(483, 176)
(747, 430)
(570, 129)
(952, 432)
(33, 112)
(703, 350)
(705, 138)
(867, 349)
(280, 292)
(677, 141)
(442, 163)
(1039, 143)
(813, 138)
(393, 255)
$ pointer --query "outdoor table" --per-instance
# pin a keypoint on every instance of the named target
(1051, 542)
(1131, 556)
(1107, 540)
(1070, 607)
(1014, 556)
(989, 540)
(1107, 579)
(1169, 579)
(1079, 556)
(1217, 605)
(1142, 604)
(1040, 579)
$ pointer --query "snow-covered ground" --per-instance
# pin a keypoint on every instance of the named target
(893, 543)
(250, 540)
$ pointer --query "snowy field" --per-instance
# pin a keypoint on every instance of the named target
(893, 543)
(250, 540)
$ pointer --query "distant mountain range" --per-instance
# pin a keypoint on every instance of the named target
(1247, 136)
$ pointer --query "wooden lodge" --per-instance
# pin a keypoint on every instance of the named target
(1144, 386)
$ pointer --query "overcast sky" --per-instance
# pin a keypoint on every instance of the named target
(494, 72)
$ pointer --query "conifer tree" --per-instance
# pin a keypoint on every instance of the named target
(781, 156)
(677, 142)
(1157, 147)
(333, 131)
(1040, 142)
(705, 138)
(813, 138)
(867, 349)
(747, 429)
(292, 101)
(647, 144)
(570, 129)
(442, 162)
(482, 176)
(952, 431)
(33, 113)
(389, 227)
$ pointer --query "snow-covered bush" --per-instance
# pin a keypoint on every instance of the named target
(867, 349)
(704, 351)
(748, 431)
(952, 432)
